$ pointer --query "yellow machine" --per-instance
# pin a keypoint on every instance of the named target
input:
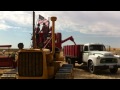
(40, 63)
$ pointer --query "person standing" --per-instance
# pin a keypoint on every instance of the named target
(45, 32)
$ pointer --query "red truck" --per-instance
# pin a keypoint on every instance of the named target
(93, 55)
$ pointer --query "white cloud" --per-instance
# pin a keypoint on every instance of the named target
(88, 22)
(4, 27)
(15, 19)
(19, 17)
(101, 28)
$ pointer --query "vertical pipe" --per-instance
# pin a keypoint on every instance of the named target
(34, 41)
(53, 19)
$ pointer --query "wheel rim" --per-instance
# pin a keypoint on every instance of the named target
(91, 67)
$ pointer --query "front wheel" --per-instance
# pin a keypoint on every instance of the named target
(91, 67)
(114, 70)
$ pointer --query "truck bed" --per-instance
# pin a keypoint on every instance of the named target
(73, 52)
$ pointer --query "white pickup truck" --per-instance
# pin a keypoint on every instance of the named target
(93, 55)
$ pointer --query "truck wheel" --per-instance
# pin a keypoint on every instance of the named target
(66, 59)
(91, 67)
(114, 70)
(71, 61)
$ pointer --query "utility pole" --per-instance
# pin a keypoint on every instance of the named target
(34, 40)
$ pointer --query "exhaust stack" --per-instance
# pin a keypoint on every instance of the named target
(53, 19)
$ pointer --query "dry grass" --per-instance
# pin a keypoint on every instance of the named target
(114, 50)
(81, 72)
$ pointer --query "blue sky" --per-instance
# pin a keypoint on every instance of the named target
(84, 26)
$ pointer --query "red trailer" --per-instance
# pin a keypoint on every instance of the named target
(6, 60)
(73, 53)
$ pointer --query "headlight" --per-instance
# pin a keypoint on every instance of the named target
(102, 61)
(99, 57)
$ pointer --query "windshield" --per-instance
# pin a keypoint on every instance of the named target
(97, 48)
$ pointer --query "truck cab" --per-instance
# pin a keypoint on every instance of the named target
(96, 57)
(89, 48)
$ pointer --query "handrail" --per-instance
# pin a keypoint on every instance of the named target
(47, 42)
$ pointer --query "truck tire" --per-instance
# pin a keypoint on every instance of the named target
(66, 59)
(71, 61)
(91, 67)
(114, 70)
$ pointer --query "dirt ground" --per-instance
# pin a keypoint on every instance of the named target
(81, 72)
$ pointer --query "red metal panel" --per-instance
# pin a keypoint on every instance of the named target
(73, 50)
(76, 50)
(58, 37)
(6, 62)
(64, 50)
(68, 50)
(41, 37)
